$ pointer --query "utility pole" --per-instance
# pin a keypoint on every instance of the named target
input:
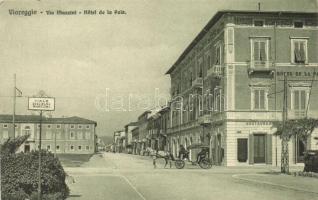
(14, 102)
(39, 172)
(285, 137)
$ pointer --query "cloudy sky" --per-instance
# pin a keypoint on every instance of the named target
(96, 65)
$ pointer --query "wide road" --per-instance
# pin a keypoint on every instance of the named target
(122, 176)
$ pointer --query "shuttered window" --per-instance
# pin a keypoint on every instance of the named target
(299, 51)
(299, 99)
(260, 51)
(259, 99)
(299, 103)
(218, 55)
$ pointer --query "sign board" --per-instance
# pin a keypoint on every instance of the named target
(41, 103)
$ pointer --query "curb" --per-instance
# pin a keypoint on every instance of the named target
(237, 176)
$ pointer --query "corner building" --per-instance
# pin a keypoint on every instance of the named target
(226, 87)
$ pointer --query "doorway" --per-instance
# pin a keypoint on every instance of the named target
(26, 148)
(259, 148)
(300, 149)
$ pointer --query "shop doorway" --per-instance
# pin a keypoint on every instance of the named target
(259, 148)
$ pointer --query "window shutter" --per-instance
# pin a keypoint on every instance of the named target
(251, 149)
(297, 52)
(217, 59)
(302, 53)
(256, 99)
(262, 51)
(269, 149)
(303, 100)
(296, 100)
(262, 99)
(256, 50)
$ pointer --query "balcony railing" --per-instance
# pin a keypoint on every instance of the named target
(296, 114)
(184, 126)
(205, 119)
(198, 82)
(260, 66)
(216, 70)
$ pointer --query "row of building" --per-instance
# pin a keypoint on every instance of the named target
(66, 135)
(227, 90)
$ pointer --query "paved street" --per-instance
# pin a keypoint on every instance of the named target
(121, 176)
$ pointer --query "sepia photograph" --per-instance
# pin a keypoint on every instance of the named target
(158, 99)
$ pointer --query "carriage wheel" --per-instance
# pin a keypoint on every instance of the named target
(205, 164)
(179, 164)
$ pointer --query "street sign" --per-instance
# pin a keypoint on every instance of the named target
(41, 103)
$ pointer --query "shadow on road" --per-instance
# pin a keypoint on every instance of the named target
(74, 195)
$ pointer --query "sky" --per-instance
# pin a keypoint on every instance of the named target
(107, 68)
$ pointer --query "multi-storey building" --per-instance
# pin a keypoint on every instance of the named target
(135, 141)
(128, 135)
(157, 129)
(144, 141)
(227, 85)
(69, 135)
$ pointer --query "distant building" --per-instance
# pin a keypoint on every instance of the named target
(128, 135)
(136, 144)
(119, 141)
(144, 140)
(100, 144)
(69, 135)
(157, 128)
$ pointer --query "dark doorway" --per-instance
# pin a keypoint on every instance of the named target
(26, 148)
(300, 150)
(259, 148)
(242, 153)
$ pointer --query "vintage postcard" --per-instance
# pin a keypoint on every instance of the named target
(158, 99)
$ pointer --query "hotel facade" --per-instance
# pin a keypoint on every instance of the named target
(227, 86)
(68, 135)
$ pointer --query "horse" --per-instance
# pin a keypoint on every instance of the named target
(165, 155)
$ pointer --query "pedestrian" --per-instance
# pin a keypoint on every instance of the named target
(154, 158)
(168, 158)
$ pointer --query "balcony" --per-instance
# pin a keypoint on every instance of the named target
(296, 114)
(178, 128)
(205, 119)
(260, 67)
(254, 115)
(198, 82)
(216, 71)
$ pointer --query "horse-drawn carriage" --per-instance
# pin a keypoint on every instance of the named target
(202, 158)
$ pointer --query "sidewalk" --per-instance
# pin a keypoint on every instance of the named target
(290, 182)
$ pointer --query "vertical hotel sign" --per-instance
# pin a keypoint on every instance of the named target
(41, 103)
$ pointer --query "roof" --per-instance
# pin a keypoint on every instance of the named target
(132, 124)
(144, 113)
(36, 119)
(218, 15)
(134, 129)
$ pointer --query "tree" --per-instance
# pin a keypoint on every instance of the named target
(300, 128)
(19, 173)
(11, 145)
